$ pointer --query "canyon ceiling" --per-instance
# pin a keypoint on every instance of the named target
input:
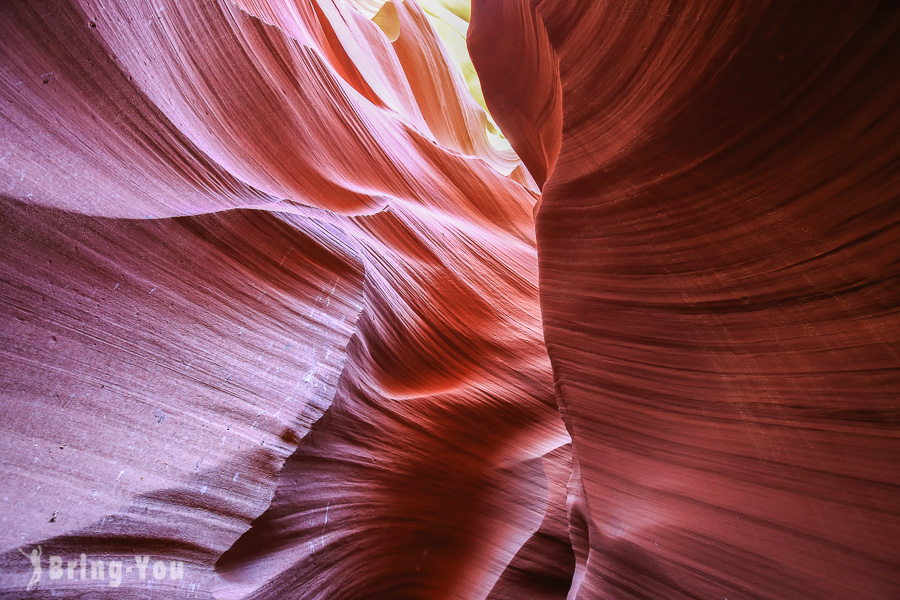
(281, 305)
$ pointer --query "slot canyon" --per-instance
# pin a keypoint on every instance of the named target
(450, 300)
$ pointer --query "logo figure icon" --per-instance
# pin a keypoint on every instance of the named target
(35, 558)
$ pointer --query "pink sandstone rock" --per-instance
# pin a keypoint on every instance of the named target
(718, 249)
(273, 321)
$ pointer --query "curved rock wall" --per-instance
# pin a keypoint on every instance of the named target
(223, 222)
(718, 249)
(275, 309)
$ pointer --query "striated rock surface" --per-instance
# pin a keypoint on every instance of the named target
(221, 223)
(718, 249)
(272, 313)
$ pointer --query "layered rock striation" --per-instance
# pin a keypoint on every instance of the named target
(281, 314)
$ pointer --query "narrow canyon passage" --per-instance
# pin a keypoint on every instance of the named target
(516, 299)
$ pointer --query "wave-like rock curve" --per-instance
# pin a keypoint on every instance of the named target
(718, 245)
(278, 314)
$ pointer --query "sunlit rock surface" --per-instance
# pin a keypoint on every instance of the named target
(222, 222)
(271, 308)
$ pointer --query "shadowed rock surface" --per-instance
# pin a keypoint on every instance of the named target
(718, 249)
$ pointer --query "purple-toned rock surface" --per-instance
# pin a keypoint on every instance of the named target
(272, 319)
